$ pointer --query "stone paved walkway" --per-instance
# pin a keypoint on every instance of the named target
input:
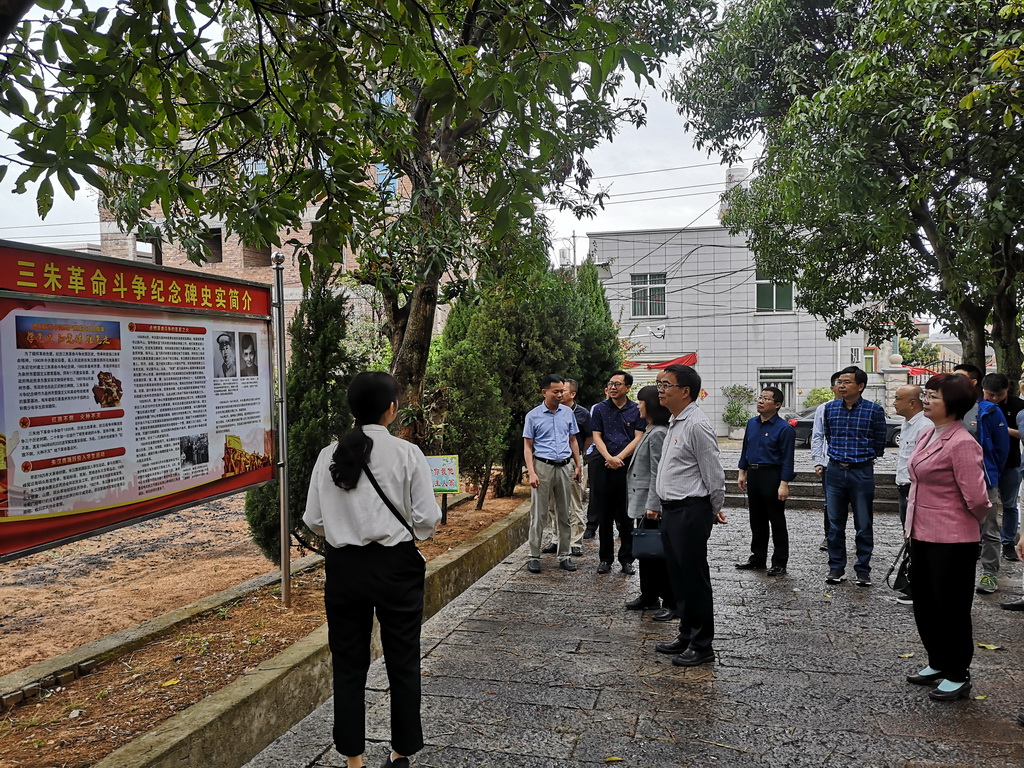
(524, 671)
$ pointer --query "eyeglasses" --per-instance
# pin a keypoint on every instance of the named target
(616, 384)
(766, 399)
(663, 385)
(927, 397)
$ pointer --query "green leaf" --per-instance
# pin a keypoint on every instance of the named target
(437, 89)
(44, 197)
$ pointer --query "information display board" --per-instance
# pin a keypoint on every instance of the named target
(444, 471)
(125, 391)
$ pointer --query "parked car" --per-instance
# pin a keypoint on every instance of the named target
(803, 423)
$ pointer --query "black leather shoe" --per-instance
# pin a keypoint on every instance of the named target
(917, 679)
(692, 658)
(567, 564)
(533, 565)
(604, 567)
(628, 568)
(664, 614)
(1010, 553)
(641, 604)
(678, 645)
(402, 762)
(750, 565)
(777, 570)
(577, 551)
(1013, 605)
(550, 549)
(960, 693)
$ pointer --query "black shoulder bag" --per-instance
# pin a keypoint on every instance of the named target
(898, 577)
(387, 501)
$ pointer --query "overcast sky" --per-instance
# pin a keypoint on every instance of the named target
(655, 176)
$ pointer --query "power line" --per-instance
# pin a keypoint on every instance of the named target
(53, 224)
(664, 197)
(662, 170)
(668, 189)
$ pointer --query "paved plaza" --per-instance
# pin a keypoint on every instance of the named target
(524, 671)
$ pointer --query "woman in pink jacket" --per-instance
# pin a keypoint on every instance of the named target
(947, 503)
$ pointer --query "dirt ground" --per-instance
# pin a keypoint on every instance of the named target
(57, 600)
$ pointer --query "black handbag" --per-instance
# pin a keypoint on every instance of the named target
(898, 577)
(647, 544)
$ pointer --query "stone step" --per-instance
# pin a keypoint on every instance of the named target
(739, 501)
(813, 490)
(803, 476)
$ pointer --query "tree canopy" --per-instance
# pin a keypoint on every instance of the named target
(249, 112)
(891, 178)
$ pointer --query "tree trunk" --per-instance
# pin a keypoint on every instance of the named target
(1006, 329)
(410, 359)
(511, 469)
(972, 332)
(484, 484)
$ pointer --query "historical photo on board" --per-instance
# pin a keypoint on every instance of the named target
(224, 361)
(247, 343)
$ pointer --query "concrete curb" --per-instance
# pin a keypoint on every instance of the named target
(230, 727)
(64, 668)
(60, 670)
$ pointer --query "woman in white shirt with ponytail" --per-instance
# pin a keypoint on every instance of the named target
(370, 496)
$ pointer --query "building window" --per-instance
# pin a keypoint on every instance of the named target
(214, 246)
(648, 294)
(387, 182)
(871, 359)
(772, 296)
(255, 255)
(781, 378)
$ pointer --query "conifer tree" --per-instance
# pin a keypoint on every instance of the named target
(318, 413)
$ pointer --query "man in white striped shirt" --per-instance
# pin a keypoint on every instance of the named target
(691, 487)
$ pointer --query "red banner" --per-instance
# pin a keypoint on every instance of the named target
(46, 273)
(690, 359)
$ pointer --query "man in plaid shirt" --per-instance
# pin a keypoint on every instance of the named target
(855, 431)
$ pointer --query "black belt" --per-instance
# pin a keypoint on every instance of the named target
(552, 462)
(902, 485)
(764, 466)
(689, 501)
(852, 465)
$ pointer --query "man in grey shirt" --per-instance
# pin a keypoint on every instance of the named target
(691, 486)
(907, 403)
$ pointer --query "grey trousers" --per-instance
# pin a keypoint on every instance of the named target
(553, 492)
(990, 537)
(577, 516)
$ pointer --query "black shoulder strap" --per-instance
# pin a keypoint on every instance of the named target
(386, 500)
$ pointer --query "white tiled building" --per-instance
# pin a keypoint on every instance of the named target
(684, 291)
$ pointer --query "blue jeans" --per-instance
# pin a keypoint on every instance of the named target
(1009, 485)
(845, 488)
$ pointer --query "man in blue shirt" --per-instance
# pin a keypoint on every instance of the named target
(987, 424)
(616, 427)
(766, 469)
(549, 445)
(855, 431)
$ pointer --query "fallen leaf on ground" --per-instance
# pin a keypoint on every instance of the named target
(989, 646)
(172, 681)
(906, 655)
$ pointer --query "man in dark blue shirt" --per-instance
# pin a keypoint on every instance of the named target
(766, 468)
(855, 431)
(616, 428)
